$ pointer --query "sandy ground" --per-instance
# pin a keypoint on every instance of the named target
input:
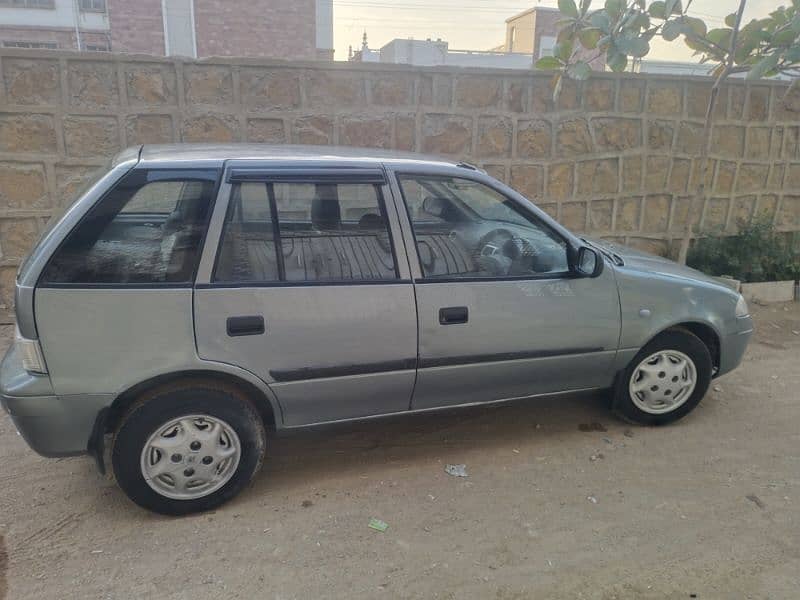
(709, 506)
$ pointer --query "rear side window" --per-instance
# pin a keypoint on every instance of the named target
(147, 230)
(305, 232)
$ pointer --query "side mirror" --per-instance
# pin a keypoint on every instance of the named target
(434, 206)
(589, 262)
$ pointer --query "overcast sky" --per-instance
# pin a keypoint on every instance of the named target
(480, 24)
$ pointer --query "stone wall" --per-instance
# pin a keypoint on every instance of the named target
(614, 158)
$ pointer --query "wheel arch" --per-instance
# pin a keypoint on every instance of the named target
(266, 406)
(704, 331)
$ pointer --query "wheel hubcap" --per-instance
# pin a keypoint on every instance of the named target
(662, 382)
(190, 457)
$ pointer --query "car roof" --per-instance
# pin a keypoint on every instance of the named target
(317, 155)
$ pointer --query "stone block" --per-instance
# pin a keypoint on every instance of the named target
(791, 142)
(221, 128)
(601, 213)
(494, 137)
(551, 208)
(570, 96)
(736, 102)
(7, 278)
(394, 90)
(728, 141)
(690, 138)
(792, 179)
(776, 142)
(34, 82)
(560, 179)
(266, 131)
(598, 94)
(572, 138)
(631, 173)
(573, 216)
(598, 177)
(665, 98)
(92, 85)
(405, 132)
(726, 175)
(679, 175)
(435, 90)
(716, 214)
(149, 129)
(766, 206)
(516, 95)
(680, 213)
(743, 207)
(786, 106)
(91, 136)
(541, 95)
(329, 89)
(617, 133)
(478, 92)
(655, 179)
(528, 180)
(629, 213)
(274, 89)
(768, 292)
(650, 245)
(631, 95)
(27, 132)
(22, 186)
(758, 104)
(660, 134)
(758, 143)
(534, 138)
(752, 177)
(71, 180)
(313, 129)
(789, 212)
(656, 212)
(151, 84)
(447, 134)
(697, 98)
(17, 237)
(366, 132)
(496, 171)
(208, 84)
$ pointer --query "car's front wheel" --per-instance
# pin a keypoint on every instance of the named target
(665, 380)
(188, 447)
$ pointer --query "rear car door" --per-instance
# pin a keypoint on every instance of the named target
(302, 284)
(500, 314)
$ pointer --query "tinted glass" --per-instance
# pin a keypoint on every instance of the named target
(325, 232)
(465, 229)
(144, 231)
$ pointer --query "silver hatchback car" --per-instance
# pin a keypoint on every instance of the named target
(197, 297)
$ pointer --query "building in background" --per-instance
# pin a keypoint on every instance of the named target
(289, 29)
(431, 53)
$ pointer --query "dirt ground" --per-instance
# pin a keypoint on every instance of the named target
(562, 501)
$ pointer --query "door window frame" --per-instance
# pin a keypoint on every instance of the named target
(524, 210)
(241, 171)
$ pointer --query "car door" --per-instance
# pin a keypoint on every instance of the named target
(500, 313)
(302, 284)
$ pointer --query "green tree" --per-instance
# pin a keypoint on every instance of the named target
(621, 32)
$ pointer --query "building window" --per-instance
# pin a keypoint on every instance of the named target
(31, 45)
(97, 47)
(28, 3)
(546, 45)
(92, 5)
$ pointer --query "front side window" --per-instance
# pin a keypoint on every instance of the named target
(305, 232)
(147, 230)
(465, 229)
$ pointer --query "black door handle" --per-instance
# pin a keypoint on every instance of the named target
(452, 315)
(249, 325)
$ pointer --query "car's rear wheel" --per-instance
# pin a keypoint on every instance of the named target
(188, 447)
(665, 380)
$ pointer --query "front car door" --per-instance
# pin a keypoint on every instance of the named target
(307, 289)
(500, 313)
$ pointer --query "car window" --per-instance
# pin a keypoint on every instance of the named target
(465, 229)
(141, 232)
(305, 232)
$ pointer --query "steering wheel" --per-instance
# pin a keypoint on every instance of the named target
(502, 253)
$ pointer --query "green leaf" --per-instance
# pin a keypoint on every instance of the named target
(568, 7)
(670, 5)
(671, 30)
(730, 20)
(585, 4)
(563, 50)
(784, 37)
(580, 70)
(633, 46)
(601, 21)
(658, 10)
(764, 66)
(720, 37)
(614, 8)
(694, 26)
(793, 54)
(589, 37)
(617, 61)
(548, 63)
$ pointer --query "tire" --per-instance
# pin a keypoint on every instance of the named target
(642, 395)
(184, 425)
